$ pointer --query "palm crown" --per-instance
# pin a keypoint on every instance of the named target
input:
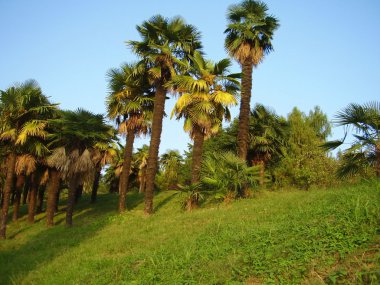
(250, 31)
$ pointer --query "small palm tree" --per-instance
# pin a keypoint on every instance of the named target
(228, 175)
(170, 163)
(249, 39)
(75, 141)
(266, 137)
(365, 149)
(130, 104)
(206, 95)
(164, 49)
(141, 161)
(24, 114)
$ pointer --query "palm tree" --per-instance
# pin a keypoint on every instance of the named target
(103, 155)
(249, 39)
(75, 142)
(24, 113)
(141, 159)
(165, 44)
(365, 149)
(207, 94)
(170, 163)
(130, 104)
(266, 137)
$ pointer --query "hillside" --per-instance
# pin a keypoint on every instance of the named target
(288, 237)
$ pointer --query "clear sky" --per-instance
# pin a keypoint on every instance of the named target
(327, 52)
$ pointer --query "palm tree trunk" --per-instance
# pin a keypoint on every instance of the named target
(155, 139)
(25, 193)
(52, 197)
(377, 152)
(262, 173)
(124, 176)
(243, 131)
(40, 201)
(142, 180)
(7, 193)
(78, 193)
(197, 155)
(73, 185)
(33, 197)
(95, 185)
(18, 189)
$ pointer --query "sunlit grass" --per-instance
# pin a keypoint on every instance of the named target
(294, 237)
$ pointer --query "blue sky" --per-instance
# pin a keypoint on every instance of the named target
(327, 52)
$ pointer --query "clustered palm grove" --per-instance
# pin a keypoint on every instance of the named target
(45, 149)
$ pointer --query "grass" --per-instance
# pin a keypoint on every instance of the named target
(289, 237)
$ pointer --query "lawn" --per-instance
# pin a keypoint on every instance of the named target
(326, 236)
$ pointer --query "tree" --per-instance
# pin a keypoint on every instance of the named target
(304, 163)
(141, 161)
(207, 92)
(130, 104)
(249, 39)
(170, 164)
(77, 134)
(24, 113)
(266, 137)
(364, 151)
(103, 155)
(164, 49)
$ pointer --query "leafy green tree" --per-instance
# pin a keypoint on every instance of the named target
(130, 104)
(249, 39)
(164, 49)
(364, 151)
(304, 163)
(206, 95)
(24, 114)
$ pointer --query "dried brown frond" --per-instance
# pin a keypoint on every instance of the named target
(25, 164)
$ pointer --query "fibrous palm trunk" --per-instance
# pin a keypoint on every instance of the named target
(155, 139)
(377, 154)
(245, 102)
(197, 155)
(7, 193)
(33, 197)
(52, 197)
(18, 189)
(124, 176)
(40, 200)
(73, 185)
(95, 184)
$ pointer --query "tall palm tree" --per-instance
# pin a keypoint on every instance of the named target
(24, 114)
(164, 45)
(207, 94)
(130, 103)
(365, 149)
(249, 39)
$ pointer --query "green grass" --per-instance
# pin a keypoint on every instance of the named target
(289, 237)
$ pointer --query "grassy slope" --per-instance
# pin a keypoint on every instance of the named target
(314, 237)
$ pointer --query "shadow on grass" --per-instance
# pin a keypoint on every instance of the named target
(44, 244)
(165, 201)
